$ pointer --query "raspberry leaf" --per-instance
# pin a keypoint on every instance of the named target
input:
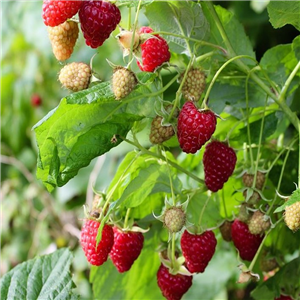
(292, 199)
(179, 17)
(284, 12)
(48, 276)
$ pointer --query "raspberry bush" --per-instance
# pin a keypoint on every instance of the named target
(185, 144)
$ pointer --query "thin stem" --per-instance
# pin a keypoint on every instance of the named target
(280, 178)
(158, 156)
(171, 181)
(173, 258)
(202, 211)
(288, 82)
(299, 157)
(127, 217)
(224, 204)
(142, 96)
(220, 70)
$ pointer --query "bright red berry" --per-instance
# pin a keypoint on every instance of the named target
(57, 12)
(36, 100)
(283, 297)
(198, 250)
(126, 249)
(194, 127)
(173, 286)
(98, 20)
(155, 51)
(245, 242)
(219, 162)
(96, 256)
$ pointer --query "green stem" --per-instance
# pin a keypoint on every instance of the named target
(173, 258)
(192, 40)
(244, 68)
(202, 212)
(154, 94)
(280, 178)
(299, 157)
(224, 204)
(171, 181)
(219, 71)
(158, 156)
(127, 217)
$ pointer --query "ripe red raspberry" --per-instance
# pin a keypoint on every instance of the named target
(155, 51)
(283, 297)
(126, 249)
(245, 242)
(96, 256)
(57, 12)
(225, 230)
(198, 250)
(63, 39)
(173, 287)
(219, 162)
(36, 100)
(98, 20)
(194, 127)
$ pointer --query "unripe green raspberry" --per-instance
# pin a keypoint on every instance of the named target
(174, 219)
(258, 224)
(244, 214)
(160, 133)
(260, 180)
(123, 82)
(225, 230)
(292, 216)
(253, 199)
(75, 76)
(194, 85)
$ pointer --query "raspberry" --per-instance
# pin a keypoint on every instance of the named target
(292, 216)
(245, 242)
(75, 76)
(253, 199)
(244, 213)
(57, 12)
(219, 162)
(126, 249)
(174, 219)
(194, 128)
(160, 133)
(63, 39)
(123, 82)
(125, 38)
(194, 85)
(267, 264)
(36, 100)
(155, 51)
(96, 256)
(198, 250)
(173, 287)
(283, 297)
(98, 20)
(260, 180)
(258, 224)
(225, 230)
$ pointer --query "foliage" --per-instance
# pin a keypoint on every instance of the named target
(89, 142)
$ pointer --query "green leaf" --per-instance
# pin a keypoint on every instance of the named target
(183, 18)
(85, 125)
(278, 62)
(296, 47)
(234, 30)
(137, 283)
(284, 12)
(270, 125)
(286, 278)
(45, 277)
(295, 197)
(211, 216)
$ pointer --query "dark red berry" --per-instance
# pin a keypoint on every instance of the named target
(155, 51)
(219, 162)
(194, 127)
(283, 297)
(96, 256)
(98, 19)
(126, 249)
(36, 100)
(246, 243)
(57, 12)
(173, 287)
(198, 250)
